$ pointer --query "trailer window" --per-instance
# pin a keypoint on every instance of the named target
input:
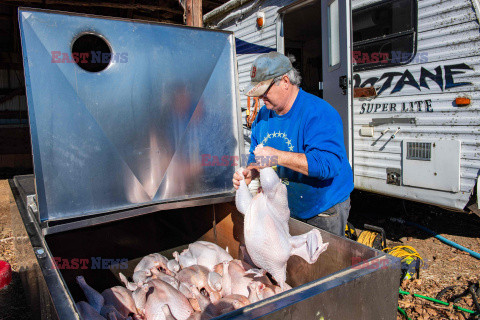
(384, 34)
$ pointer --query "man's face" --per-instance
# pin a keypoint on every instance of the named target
(275, 97)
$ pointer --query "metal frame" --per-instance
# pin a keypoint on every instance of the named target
(296, 5)
(61, 298)
(48, 228)
(241, 141)
(51, 227)
(414, 31)
(299, 4)
(339, 64)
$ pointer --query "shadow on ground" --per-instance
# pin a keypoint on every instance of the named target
(376, 210)
(13, 304)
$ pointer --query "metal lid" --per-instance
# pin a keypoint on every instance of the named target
(137, 127)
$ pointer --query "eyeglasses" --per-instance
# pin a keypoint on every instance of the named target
(275, 80)
(266, 91)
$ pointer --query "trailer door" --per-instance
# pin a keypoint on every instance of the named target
(337, 67)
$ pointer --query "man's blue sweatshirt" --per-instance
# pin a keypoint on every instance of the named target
(313, 127)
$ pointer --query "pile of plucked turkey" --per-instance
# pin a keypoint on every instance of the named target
(204, 281)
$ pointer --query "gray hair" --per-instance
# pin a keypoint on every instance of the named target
(293, 75)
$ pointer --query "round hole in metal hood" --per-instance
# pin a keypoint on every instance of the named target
(91, 52)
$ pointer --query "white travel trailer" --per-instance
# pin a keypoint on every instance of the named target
(403, 74)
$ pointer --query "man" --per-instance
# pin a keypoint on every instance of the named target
(304, 134)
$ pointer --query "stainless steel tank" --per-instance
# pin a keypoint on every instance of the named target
(349, 280)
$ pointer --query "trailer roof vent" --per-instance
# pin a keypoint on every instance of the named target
(419, 151)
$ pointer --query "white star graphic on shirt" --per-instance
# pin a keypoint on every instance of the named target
(280, 135)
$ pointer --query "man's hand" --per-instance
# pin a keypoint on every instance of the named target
(249, 174)
(266, 156)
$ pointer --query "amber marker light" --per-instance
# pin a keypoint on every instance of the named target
(462, 101)
(260, 19)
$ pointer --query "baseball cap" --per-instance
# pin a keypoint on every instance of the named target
(264, 69)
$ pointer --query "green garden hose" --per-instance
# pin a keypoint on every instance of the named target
(403, 313)
(436, 301)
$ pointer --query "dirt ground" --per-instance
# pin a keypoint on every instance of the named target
(13, 304)
(444, 265)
